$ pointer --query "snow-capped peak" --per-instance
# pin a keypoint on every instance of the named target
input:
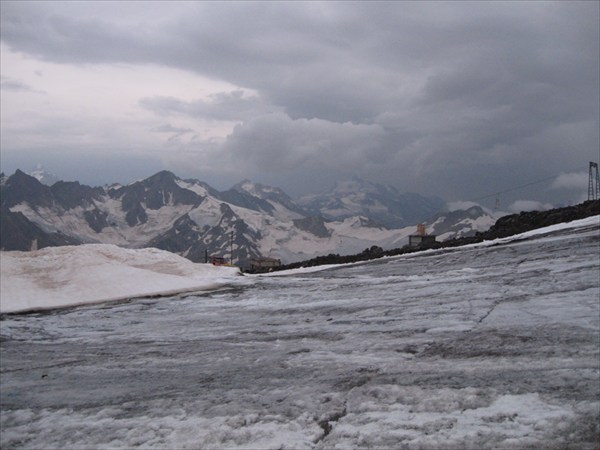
(258, 190)
(383, 204)
(457, 222)
(44, 176)
(274, 196)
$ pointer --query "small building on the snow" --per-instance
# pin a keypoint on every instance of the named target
(217, 260)
(263, 264)
(414, 240)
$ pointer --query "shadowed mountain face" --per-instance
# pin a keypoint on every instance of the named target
(155, 192)
(23, 188)
(71, 194)
(19, 233)
(192, 219)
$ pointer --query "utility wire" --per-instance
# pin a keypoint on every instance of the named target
(517, 187)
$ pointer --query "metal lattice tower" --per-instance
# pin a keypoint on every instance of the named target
(594, 191)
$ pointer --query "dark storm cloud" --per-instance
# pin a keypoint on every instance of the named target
(308, 143)
(447, 97)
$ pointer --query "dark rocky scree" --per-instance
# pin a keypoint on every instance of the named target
(505, 226)
(245, 200)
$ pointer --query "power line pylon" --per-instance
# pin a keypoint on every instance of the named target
(594, 191)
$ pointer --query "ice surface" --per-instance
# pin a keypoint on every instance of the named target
(487, 346)
(92, 273)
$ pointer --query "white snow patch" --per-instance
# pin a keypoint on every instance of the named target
(384, 416)
(92, 273)
(207, 214)
(194, 187)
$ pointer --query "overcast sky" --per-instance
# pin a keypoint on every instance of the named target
(452, 99)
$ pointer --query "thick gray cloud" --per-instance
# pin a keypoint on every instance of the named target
(458, 99)
(226, 106)
(281, 143)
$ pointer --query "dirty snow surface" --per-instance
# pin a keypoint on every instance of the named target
(491, 346)
(73, 275)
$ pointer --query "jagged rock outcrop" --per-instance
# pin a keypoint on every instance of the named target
(314, 225)
(20, 188)
(71, 194)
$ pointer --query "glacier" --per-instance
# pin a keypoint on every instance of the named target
(492, 345)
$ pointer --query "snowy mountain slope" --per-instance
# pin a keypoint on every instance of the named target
(123, 215)
(184, 216)
(479, 347)
(152, 194)
(460, 223)
(383, 204)
(280, 201)
(191, 218)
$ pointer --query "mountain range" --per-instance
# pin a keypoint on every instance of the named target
(383, 204)
(192, 219)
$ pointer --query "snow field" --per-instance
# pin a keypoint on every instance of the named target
(381, 417)
(488, 346)
(164, 425)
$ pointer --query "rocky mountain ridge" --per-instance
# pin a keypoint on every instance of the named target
(189, 217)
(383, 204)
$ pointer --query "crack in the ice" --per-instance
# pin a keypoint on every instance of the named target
(501, 300)
(496, 303)
(326, 423)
